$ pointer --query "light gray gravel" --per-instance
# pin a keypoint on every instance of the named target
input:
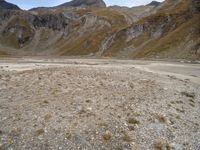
(95, 104)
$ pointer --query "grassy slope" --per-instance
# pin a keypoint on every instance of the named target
(11, 38)
(94, 39)
(174, 44)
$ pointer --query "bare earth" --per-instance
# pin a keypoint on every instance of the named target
(90, 104)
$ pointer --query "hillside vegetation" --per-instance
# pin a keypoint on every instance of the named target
(167, 30)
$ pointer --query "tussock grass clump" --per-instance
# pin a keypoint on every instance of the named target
(45, 101)
(162, 118)
(162, 145)
(47, 117)
(107, 136)
(133, 121)
(39, 132)
(68, 135)
(126, 137)
(191, 100)
(10, 141)
(188, 94)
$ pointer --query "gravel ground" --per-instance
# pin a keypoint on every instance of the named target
(73, 104)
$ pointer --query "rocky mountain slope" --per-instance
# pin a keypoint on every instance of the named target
(77, 3)
(88, 28)
(6, 5)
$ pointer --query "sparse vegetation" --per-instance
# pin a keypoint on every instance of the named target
(192, 104)
(45, 101)
(107, 136)
(162, 145)
(191, 100)
(39, 132)
(47, 117)
(188, 94)
(162, 118)
(180, 110)
(10, 141)
(133, 121)
(68, 135)
(126, 137)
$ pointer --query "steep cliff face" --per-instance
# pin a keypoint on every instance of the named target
(168, 30)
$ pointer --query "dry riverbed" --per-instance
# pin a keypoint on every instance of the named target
(72, 104)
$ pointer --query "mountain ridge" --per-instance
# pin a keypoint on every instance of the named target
(139, 32)
(7, 5)
(78, 3)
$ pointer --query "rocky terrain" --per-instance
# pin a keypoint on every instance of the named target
(56, 95)
(88, 28)
(99, 104)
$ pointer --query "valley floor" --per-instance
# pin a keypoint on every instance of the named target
(99, 104)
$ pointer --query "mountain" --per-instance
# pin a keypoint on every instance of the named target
(6, 5)
(170, 30)
(154, 3)
(76, 3)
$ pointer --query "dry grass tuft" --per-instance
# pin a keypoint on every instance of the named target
(133, 121)
(162, 145)
(39, 132)
(107, 136)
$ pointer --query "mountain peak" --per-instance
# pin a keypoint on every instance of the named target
(154, 3)
(77, 3)
(6, 5)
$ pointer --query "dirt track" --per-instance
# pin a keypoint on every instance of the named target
(99, 104)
